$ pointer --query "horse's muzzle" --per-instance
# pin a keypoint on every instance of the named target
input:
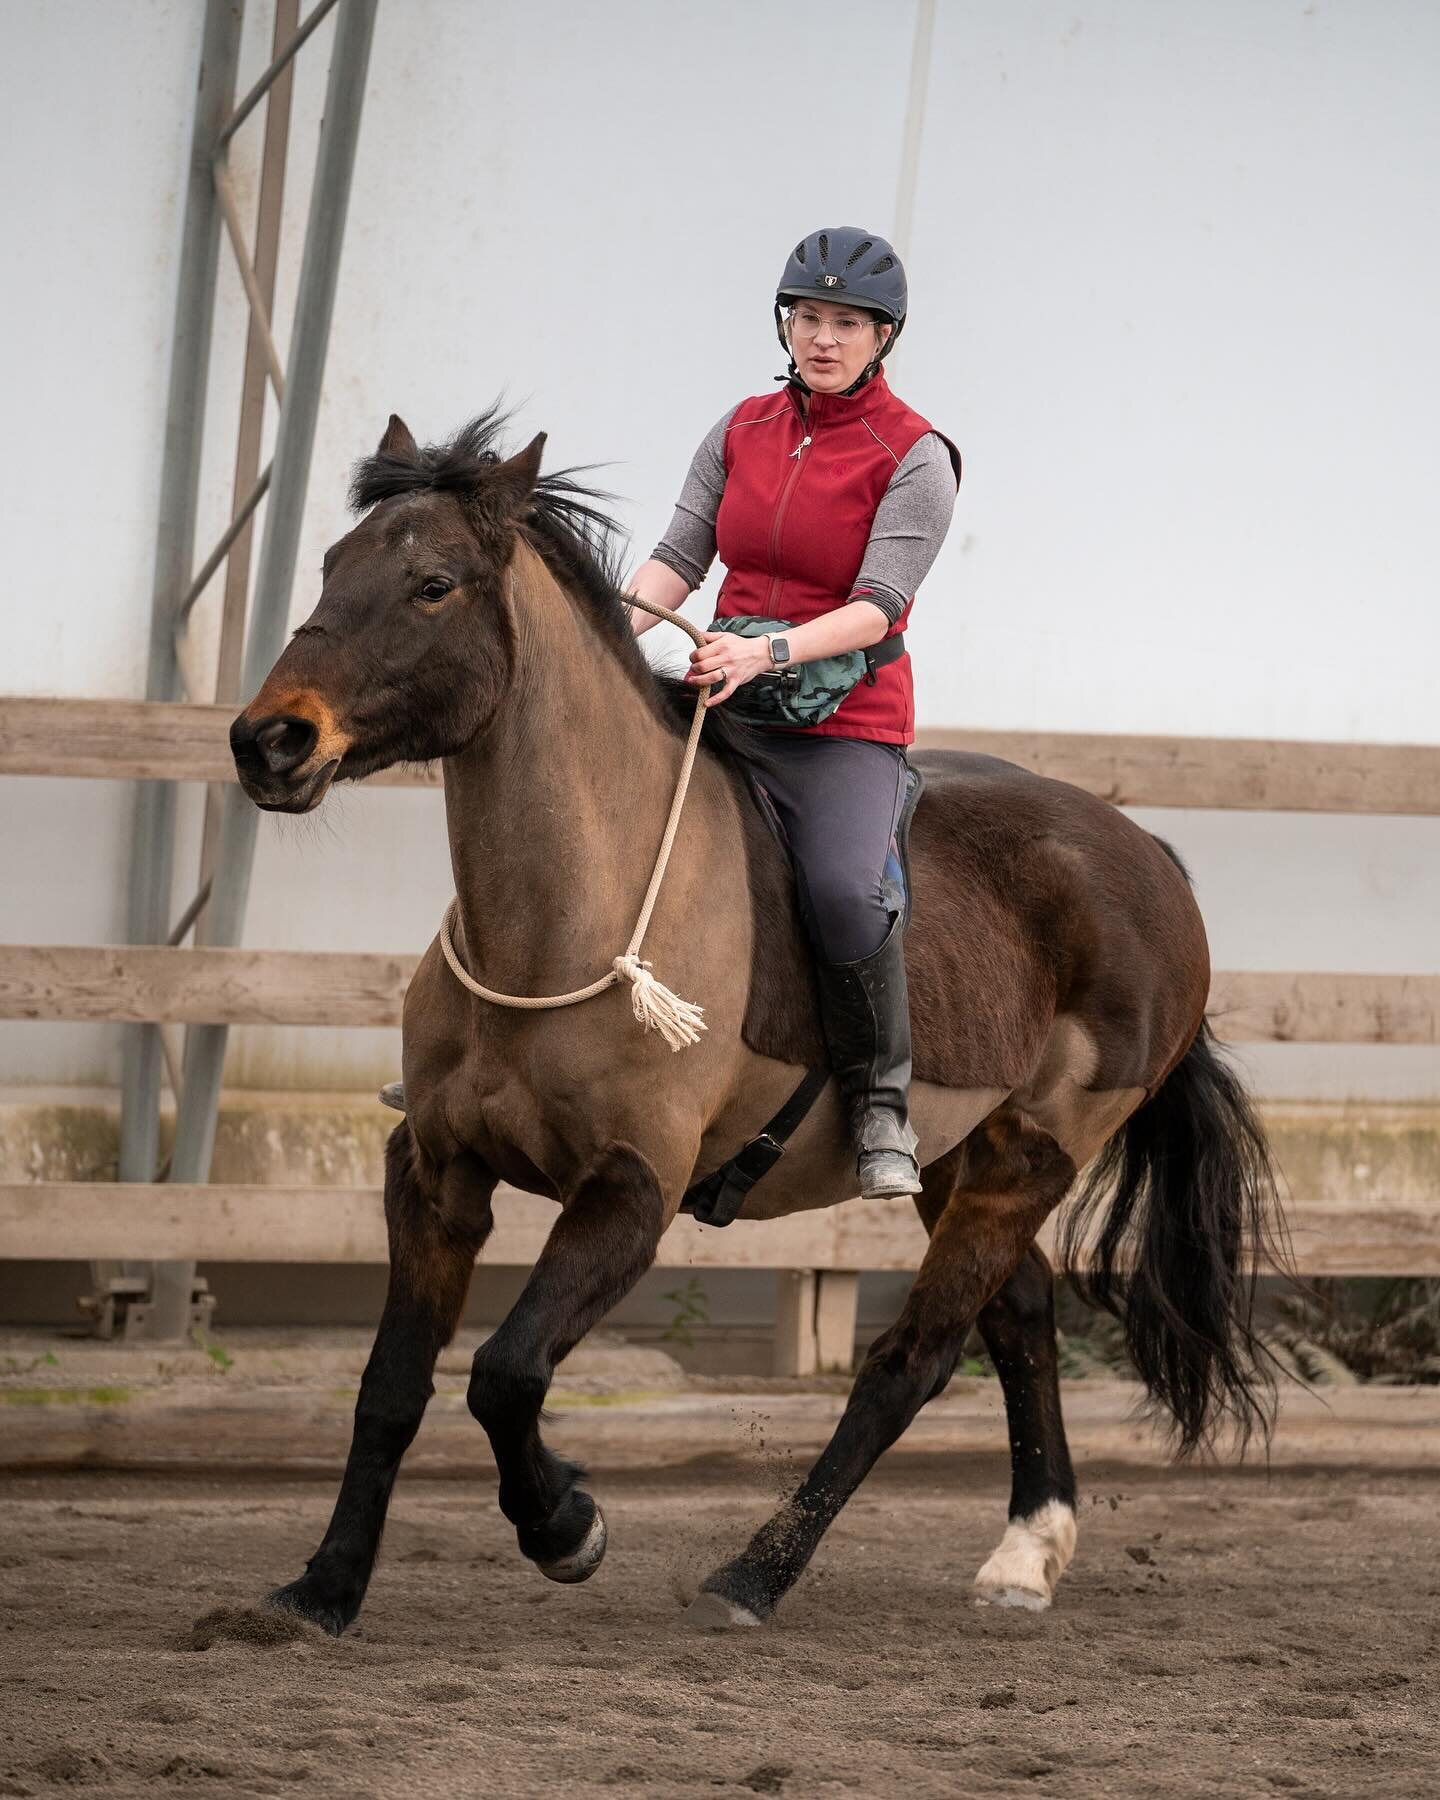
(274, 759)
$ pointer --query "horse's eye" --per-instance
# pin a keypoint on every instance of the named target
(435, 589)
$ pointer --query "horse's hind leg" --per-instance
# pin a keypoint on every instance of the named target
(1000, 1185)
(600, 1246)
(1018, 1327)
(437, 1224)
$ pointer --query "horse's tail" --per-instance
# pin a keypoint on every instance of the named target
(1193, 1214)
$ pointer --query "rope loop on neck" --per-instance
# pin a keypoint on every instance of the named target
(655, 1007)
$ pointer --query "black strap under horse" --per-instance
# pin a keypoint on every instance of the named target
(718, 1198)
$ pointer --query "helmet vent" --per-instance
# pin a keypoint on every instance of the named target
(824, 246)
(858, 252)
(800, 250)
(885, 263)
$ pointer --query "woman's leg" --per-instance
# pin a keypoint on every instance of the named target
(840, 801)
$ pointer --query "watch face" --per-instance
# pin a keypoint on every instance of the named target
(779, 651)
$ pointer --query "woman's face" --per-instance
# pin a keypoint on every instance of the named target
(833, 344)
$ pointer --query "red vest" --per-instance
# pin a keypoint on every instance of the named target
(800, 499)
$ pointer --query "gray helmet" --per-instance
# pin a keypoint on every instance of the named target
(848, 266)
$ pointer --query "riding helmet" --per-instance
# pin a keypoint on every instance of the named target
(845, 264)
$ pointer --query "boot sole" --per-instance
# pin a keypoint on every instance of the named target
(891, 1190)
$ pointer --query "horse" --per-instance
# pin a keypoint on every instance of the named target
(1058, 972)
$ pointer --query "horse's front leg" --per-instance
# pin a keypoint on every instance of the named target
(1008, 1176)
(602, 1243)
(437, 1222)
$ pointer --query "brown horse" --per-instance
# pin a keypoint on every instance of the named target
(1057, 967)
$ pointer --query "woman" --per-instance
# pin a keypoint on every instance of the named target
(828, 503)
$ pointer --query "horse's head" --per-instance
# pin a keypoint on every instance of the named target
(411, 645)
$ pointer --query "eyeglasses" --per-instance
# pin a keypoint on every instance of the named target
(806, 323)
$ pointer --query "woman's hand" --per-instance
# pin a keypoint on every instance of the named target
(738, 659)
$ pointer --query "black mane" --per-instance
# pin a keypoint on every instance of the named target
(578, 540)
(455, 467)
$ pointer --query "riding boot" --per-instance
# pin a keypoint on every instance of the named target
(393, 1094)
(866, 1015)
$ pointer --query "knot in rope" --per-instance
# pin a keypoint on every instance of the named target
(678, 1021)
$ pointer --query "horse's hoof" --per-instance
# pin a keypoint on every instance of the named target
(1028, 1598)
(713, 1612)
(1027, 1562)
(584, 1559)
(308, 1600)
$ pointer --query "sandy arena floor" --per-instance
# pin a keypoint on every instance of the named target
(1220, 1633)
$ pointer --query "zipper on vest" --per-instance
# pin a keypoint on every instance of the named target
(782, 504)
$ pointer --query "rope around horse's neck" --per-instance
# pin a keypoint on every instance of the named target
(679, 1022)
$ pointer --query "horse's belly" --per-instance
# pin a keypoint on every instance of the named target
(818, 1167)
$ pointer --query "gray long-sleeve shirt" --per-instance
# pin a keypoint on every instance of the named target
(910, 522)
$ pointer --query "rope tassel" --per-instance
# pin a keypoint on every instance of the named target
(678, 1021)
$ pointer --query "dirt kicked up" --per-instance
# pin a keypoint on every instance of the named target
(1220, 1632)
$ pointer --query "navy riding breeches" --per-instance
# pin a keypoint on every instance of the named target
(839, 800)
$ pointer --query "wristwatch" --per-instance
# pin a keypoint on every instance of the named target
(779, 651)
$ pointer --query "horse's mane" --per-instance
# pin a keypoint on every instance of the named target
(579, 542)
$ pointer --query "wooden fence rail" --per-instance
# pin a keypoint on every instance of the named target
(138, 982)
(222, 1222)
(161, 741)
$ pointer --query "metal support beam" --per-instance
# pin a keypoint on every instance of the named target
(153, 841)
(282, 60)
(921, 45)
(223, 920)
(248, 480)
(236, 529)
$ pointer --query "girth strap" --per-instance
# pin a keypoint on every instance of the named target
(718, 1198)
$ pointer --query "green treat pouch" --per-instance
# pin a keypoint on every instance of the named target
(801, 694)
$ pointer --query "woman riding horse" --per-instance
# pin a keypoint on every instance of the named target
(1057, 959)
(828, 503)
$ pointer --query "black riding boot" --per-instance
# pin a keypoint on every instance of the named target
(866, 1015)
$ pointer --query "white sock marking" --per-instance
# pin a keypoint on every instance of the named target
(1030, 1558)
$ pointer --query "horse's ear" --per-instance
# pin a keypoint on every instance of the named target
(514, 480)
(398, 441)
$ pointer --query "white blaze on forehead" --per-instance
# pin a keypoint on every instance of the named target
(1031, 1557)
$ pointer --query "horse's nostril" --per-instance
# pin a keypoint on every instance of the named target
(284, 742)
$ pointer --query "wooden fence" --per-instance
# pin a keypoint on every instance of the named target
(818, 1254)
(160, 741)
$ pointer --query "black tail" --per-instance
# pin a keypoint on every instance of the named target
(1193, 1215)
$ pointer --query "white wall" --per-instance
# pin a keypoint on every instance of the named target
(1178, 268)
(1174, 271)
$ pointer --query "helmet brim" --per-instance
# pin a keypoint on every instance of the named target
(836, 297)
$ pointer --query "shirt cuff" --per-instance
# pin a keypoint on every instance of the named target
(890, 604)
(688, 571)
